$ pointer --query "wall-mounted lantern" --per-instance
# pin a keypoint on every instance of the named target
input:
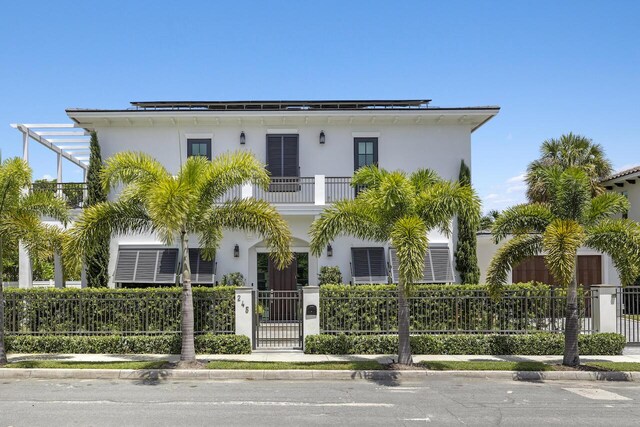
(243, 138)
(322, 137)
(329, 250)
(236, 251)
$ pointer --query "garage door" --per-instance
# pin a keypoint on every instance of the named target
(534, 270)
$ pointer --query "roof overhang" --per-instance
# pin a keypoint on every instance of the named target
(623, 178)
(474, 117)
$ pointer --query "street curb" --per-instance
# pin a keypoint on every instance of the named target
(245, 374)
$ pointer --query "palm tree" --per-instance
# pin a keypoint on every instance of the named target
(398, 208)
(175, 207)
(486, 221)
(569, 150)
(20, 213)
(569, 219)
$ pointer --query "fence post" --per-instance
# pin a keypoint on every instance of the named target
(244, 312)
(311, 318)
(604, 309)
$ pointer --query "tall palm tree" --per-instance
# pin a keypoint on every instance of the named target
(20, 220)
(569, 150)
(175, 207)
(399, 209)
(569, 219)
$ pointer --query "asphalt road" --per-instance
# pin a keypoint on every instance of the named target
(436, 401)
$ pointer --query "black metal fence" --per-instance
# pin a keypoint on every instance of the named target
(435, 312)
(278, 319)
(123, 313)
(338, 188)
(628, 313)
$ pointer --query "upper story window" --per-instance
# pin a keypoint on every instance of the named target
(199, 147)
(365, 152)
(282, 155)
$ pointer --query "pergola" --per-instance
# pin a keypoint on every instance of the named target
(64, 139)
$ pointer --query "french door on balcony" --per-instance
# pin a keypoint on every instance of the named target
(365, 153)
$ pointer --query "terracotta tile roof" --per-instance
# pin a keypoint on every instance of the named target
(622, 174)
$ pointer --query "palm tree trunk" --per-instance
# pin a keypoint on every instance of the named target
(3, 352)
(404, 344)
(188, 352)
(571, 327)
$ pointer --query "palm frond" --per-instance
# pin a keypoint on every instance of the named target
(620, 238)
(512, 253)
(521, 219)
(230, 170)
(604, 206)
(352, 217)
(424, 178)
(169, 203)
(128, 167)
(15, 177)
(561, 241)
(106, 218)
(572, 194)
(45, 204)
(368, 176)
(255, 216)
(440, 202)
(409, 238)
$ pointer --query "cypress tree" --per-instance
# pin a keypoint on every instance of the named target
(97, 258)
(466, 258)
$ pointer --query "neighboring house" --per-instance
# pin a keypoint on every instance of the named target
(311, 149)
(627, 182)
(593, 267)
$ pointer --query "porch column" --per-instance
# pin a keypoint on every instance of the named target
(25, 146)
(319, 191)
(59, 192)
(311, 311)
(83, 276)
(244, 312)
(58, 276)
(604, 308)
(25, 272)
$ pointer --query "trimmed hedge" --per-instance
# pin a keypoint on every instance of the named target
(543, 343)
(437, 308)
(116, 311)
(116, 344)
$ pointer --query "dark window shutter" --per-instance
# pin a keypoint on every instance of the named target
(146, 265)
(167, 266)
(360, 262)
(126, 265)
(290, 156)
(377, 262)
(274, 155)
(202, 271)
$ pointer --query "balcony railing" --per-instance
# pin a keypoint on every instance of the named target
(74, 193)
(317, 190)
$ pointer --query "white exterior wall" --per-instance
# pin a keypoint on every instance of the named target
(633, 194)
(401, 146)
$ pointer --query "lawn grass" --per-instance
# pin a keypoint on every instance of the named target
(52, 364)
(615, 366)
(485, 366)
(371, 365)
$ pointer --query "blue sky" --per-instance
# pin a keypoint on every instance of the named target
(552, 66)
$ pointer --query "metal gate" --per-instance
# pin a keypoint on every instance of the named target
(278, 319)
(628, 313)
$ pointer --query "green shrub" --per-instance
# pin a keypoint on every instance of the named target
(116, 311)
(329, 275)
(543, 343)
(116, 344)
(373, 308)
(233, 279)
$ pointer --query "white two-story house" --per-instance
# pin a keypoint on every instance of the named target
(310, 148)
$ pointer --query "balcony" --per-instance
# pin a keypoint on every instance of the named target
(74, 193)
(317, 190)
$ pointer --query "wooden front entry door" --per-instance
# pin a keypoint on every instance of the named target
(283, 284)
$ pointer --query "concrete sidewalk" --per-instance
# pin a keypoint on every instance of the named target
(289, 356)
